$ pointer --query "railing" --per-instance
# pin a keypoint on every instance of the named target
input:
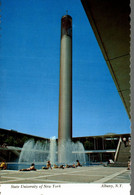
(117, 150)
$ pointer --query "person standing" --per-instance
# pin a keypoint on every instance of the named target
(125, 141)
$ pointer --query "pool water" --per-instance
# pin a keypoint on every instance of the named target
(22, 166)
(17, 166)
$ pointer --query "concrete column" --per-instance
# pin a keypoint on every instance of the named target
(94, 144)
(65, 93)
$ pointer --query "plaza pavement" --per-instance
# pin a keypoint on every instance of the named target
(91, 174)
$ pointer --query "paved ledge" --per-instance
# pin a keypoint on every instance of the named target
(92, 174)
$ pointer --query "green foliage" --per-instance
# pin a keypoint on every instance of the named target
(10, 141)
(88, 145)
(2, 138)
(15, 139)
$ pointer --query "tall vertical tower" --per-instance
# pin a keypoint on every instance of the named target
(65, 94)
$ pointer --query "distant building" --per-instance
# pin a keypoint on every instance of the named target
(97, 148)
(103, 147)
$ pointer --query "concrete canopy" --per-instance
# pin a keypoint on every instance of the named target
(110, 22)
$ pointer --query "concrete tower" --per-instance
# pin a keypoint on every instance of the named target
(65, 94)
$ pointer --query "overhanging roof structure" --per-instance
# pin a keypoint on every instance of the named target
(110, 22)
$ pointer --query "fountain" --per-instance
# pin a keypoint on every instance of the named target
(53, 150)
(34, 152)
(71, 151)
(40, 153)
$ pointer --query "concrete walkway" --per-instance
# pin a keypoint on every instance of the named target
(92, 174)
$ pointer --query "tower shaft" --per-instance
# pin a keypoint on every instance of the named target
(65, 93)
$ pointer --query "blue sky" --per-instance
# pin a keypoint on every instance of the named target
(29, 68)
